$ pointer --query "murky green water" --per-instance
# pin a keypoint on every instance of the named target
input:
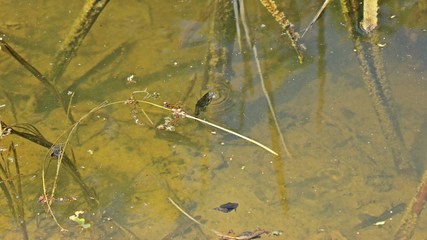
(341, 165)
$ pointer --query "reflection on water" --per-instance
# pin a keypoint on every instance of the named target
(341, 165)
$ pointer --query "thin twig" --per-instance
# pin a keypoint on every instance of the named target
(322, 8)
(234, 133)
(181, 210)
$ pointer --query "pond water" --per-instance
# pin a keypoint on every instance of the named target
(123, 171)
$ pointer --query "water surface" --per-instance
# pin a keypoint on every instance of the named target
(341, 166)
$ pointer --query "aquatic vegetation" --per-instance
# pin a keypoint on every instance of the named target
(370, 18)
(152, 146)
(80, 220)
(286, 25)
(11, 186)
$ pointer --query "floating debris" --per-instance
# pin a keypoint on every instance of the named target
(80, 221)
(227, 207)
(171, 121)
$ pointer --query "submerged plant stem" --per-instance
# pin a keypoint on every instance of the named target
(286, 25)
(270, 104)
(13, 189)
(4, 46)
(181, 210)
(371, 63)
(370, 19)
(72, 42)
(322, 8)
(234, 133)
(258, 65)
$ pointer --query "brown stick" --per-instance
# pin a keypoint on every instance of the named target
(415, 207)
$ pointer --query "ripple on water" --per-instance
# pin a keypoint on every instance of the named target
(223, 100)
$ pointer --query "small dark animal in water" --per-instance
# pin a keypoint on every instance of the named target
(372, 220)
(227, 207)
(204, 102)
(56, 151)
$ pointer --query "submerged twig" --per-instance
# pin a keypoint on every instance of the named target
(413, 211)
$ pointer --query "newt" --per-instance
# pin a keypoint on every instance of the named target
(372, 220)
(227, 207)
(204, 102)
